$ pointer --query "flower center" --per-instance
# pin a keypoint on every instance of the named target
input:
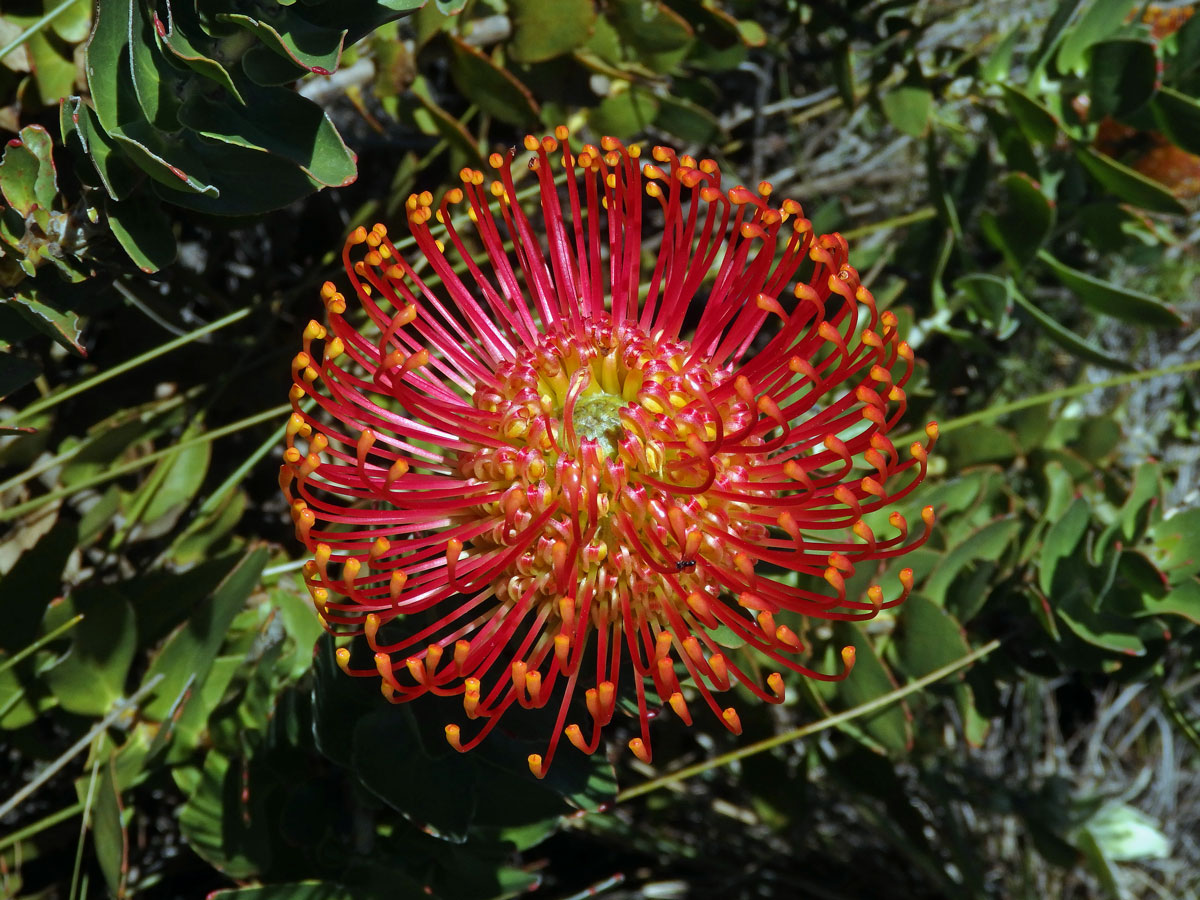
(608, 468)
(597, 416)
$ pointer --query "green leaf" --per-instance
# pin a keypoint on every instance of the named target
(1069, 340)
(649, 26)
(1125, 834)
(420, 795)
(927, 637)
(73, 24)
(624, 113)
(1021, 228)
(990, 299)
(1182, 600)
(1145, 494)
(1113, 300)
(1100, 19)
(156, 83)
(307, 47)
(27, 177)
(91, 676)
(143, 230)
(686, 121)
(117, 173)
(1032, 117)
(279, 122)
(63, 328)
(870, 678)
(176, 479)
(908, 107)
(1126, 184)
(544, 29)
(109, 80)
(1178, 117)
(183, 48)
(1177, 545)
(495, 90)
(109, 838)
(1183, 67)
(53, 66)
(208, 529)
(15, 373)
(171, 160)
(1061, 540)
(988, 544)
(190, 651)
(997, 66)
(1106, 631)
(1124, 76)
(277, 183)
(28, 587)
(218, 820)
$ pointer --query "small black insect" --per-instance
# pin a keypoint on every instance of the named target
(685, 564)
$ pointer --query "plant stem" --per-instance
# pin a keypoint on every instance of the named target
(40, 642)
(39, 826)
(36, 27)
(1077, 390)
(863, 709)
(100, 377)
(120, 709)
(117, 471)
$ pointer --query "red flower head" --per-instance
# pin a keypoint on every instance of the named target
(555, 463)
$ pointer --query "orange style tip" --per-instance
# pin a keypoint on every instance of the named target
(357, 236)
(342, 655)
(732, 720)
(775, 683)
(453, 737)
(575, 736)
(562, 132)
(640, 750)
(371, 627)
(927, 515)
(848, 658)
(875, 595)
(906, 578)
(535, 765)
(931, 431)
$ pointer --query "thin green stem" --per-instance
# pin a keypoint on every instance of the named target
(1077, 390)
(11, 703)
(83, 824)
(120, 709)
(796, 734)
(917, 215)
(99, 378)
(21, 509)
(39, 826)
(40, 642)
(49, 463)
(284, 568)
(35, 27)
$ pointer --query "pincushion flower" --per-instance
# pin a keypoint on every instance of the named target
(536, 466)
